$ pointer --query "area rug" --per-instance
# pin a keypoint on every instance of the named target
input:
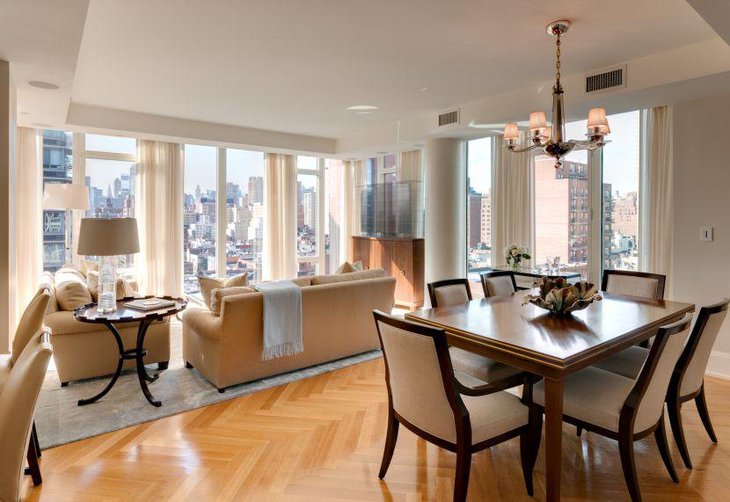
(60, 420)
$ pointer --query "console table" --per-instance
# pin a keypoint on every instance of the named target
(529, 275)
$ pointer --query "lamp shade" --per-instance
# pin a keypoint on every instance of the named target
(108, 237)
(511, 132)
(598, 121)
(538, 121)
(65, 196)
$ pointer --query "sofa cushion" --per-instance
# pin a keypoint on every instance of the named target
(31, 321)
(72, 295)
(208, 284)
(348, 267)
(351, 276)
(216, 297)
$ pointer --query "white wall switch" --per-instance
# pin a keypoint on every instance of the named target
(706, 234)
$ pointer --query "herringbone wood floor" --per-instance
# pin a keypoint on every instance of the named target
(321, 439)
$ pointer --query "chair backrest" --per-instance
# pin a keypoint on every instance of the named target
(498, 283)
(630, 283)
(690, 371)
(30, 322)
(449, 292)
(419, 376)
(17, 404)
(646, 400)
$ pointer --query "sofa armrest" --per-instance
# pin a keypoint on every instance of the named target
(203, 322)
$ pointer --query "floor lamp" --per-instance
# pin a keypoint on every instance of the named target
(66, 196)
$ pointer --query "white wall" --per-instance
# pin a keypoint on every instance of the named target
(701, 270)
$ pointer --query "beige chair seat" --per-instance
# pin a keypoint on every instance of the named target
(495, 414)
(593, 395)
(480, 367)
(5, 365)
(627, 363)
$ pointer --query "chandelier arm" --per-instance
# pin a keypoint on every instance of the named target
(514, 149)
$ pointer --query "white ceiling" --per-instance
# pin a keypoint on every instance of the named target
(294, 66)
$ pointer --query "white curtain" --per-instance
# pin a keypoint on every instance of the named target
(29, 214)
(159, 214)
(410, 170)
(511, 201)
(657, 214)
(280, 223)
(348, 204)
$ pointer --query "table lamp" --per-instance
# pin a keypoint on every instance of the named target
(108, 238)
(66, 196)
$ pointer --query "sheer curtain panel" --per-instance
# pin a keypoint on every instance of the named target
(280, 223)
(160, 218)
(29, 214)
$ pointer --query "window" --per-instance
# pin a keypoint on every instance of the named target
(199, 215)
(563, 208)
(309, 245)
(479, 206)
(110, 167)
(621, 161)
(57, 168)
(244, 213)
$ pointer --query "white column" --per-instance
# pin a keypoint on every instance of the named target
(445, 209)
(221, 219)
(8, 189)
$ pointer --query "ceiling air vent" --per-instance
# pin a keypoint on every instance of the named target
(605, 80)
(448, 118)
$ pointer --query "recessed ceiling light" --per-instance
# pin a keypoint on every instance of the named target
(25, 113)
(43, 85)
(423, 89)
(356, 108)
(363, 113)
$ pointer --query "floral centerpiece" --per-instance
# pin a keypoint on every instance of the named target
(514, 254)
(560, 297)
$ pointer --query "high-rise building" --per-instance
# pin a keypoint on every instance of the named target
(256, 190)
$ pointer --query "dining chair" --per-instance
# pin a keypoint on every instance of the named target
(425, 396)
(501, 376)
(17, 404)
(626, 409)
(687, 381)
(498, 283)
(631, 283)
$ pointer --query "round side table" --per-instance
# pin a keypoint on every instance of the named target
(89, 313)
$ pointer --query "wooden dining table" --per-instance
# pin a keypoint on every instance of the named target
(531, 339)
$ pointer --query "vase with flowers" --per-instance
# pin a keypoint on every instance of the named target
(514, 254)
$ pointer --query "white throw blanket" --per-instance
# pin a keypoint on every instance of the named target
(282, 319)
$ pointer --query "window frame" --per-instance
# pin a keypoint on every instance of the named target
(320, 258)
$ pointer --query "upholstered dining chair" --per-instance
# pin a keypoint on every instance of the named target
(17, 404)
(458, 292)
(626, 409)
(687, 381)
(630, 283)
(498, 283)
(425, 396)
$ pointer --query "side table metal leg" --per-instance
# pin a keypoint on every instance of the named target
(120, 345)
(141, 371)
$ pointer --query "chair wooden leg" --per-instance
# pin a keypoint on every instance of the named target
(34, 468)
(463, 466)
(34, 436)
(660, 434)
(390, 441)
(529, 447)
(626, 450)
(705, 414)
(578, 430)
(674, 408)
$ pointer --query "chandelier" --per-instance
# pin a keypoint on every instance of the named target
(551, 140)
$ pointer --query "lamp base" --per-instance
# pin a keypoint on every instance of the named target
(107, 285)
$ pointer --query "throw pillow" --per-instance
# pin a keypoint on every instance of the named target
(236, 281)
(207, 285)
(89, 266)
(348, 267)
(72, 295)
(124, 288)
(66, 274)
(217, 295)
(92, 282)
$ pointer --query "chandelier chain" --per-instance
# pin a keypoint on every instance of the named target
(557, 61)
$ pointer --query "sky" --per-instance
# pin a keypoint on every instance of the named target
(620, 156)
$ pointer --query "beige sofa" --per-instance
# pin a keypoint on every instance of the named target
(84, 350)
(337, 322)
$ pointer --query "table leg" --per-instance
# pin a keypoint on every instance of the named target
(553, 437)
(141, 371)
(120, 346)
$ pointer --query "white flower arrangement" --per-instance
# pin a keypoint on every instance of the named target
(514, 254)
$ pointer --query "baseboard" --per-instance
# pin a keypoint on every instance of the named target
(719, 365)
